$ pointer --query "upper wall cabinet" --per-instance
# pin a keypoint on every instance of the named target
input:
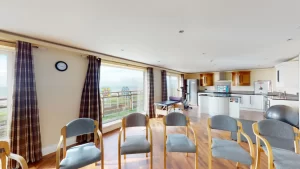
(207, 79)
(241, 78)
(287, 75)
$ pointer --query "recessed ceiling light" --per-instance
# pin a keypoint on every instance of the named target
(181, 31)
(203, 53)
(122, 50)
(289, 39)
(211, 60)
(158, 61)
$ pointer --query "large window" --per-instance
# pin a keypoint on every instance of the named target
(6, 86)
(122, 91)
(173, 85)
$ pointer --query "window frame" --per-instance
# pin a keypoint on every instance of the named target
(132, 67)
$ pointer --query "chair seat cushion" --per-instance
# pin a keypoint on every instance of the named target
(80, 156)
(135, 144)
(230, 150)
(180, 143)
(284, 159)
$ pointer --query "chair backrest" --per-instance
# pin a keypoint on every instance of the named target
(223, 122)
(135, 120)
(79, 127)
(175, 119)
(278, 133)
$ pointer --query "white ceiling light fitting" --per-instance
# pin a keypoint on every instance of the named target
(181, 31)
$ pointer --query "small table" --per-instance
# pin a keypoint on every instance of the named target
(164, 104)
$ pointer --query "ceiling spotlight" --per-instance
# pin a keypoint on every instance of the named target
(122, 50)
(289, 39)
(203, 53)
(211, 60)
(158, 61)
(181, 31)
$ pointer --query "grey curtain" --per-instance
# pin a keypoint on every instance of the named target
(164, 86)
(25, 137)
(90, 106)
(150, 85)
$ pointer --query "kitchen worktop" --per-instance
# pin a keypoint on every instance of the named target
(239, 92)
(220, 95)
(271, 95)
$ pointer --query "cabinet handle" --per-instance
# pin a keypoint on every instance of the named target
(204, 79)
(250, 100)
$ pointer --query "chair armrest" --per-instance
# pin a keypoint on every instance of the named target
(265, 141)
(252, 153)
(19, 159)
(120, 136)
(101, 141)
(58, 152)
(191, 128)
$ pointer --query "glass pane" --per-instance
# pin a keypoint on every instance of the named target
(172, 85)
(3, 96)
(122, 92)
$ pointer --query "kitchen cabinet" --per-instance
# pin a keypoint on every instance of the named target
(287, 75)
(207, 79)
(241, 78)
(252, 102)
(203, 104)
(218, 105)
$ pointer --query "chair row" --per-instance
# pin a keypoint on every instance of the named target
(274, 134)
(85, 154)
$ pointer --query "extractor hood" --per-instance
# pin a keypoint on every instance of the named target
(221, 76)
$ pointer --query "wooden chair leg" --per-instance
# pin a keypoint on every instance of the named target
(237, 165)
(151, 160)
(3, 161)
(102, 162)
(187, 154)
(124, 156)
(146, 154)
(196, 158)
(209, 159)
(257, 160)
(165, 158)
(119, 159)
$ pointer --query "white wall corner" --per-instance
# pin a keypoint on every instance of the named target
(52, 148)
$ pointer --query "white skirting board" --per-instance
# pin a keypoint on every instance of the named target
(70, 141)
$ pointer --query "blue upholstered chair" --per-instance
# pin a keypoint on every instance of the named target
(228, 149)
(135, 144)
(276, 135)
(179, 142)
(84, 154)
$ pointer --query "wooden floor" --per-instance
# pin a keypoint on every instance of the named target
(174, 160)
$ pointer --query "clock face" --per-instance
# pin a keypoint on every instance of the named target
(61, 66)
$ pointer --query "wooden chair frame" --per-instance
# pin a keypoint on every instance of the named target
(268, 146)
(4, 145)
(123, 130)
(188, 126)
(239, 133)
(63, 140)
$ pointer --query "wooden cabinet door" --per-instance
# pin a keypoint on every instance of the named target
(234, 78)
(244, 78)
(207, 79)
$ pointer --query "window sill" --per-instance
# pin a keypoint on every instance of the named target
(107, 127)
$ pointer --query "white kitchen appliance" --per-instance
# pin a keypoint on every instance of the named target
(192, 89)
(262, 87)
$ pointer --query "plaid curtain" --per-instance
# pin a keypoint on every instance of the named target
(25, 126)
(150, 85)
(164, 86)
(90, 106)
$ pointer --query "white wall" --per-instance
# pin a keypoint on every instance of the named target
(157, 85)
(58, 93)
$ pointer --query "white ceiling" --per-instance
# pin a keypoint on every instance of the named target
(233, 34)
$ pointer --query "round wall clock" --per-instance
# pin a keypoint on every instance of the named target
(61, 66)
